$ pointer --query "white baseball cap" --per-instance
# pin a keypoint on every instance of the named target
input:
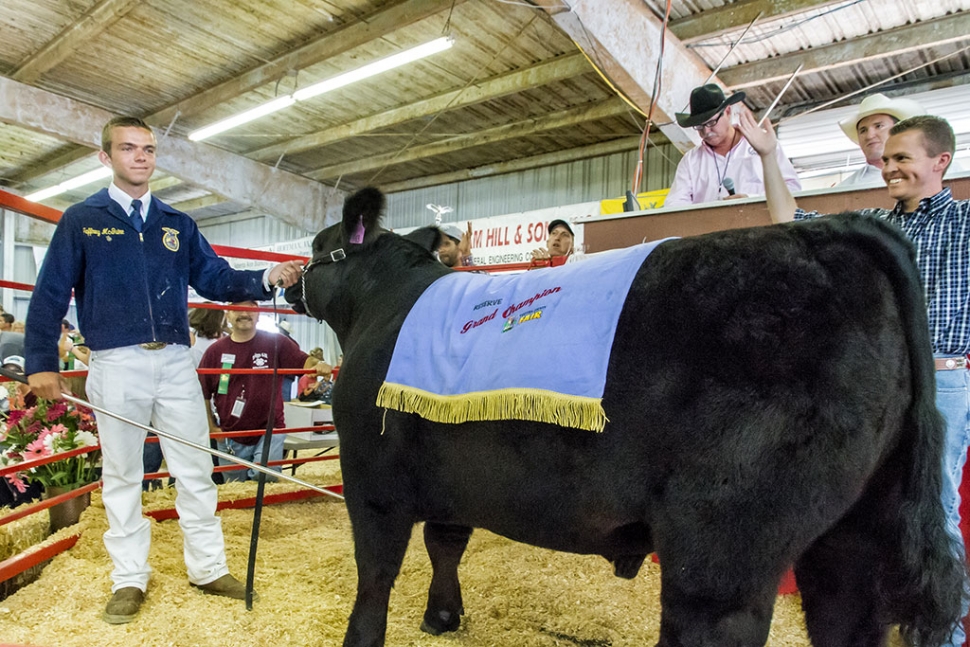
(16, 360)
(452, 231)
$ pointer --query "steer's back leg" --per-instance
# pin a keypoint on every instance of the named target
(719, 571)
(711, 618)
(446, 544)
(838, 575)
(837, 580)
(380, 541)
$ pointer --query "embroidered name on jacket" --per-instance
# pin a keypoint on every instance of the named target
(107, 231)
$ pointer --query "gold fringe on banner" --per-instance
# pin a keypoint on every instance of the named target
(537, 405)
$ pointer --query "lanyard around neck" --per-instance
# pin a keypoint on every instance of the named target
(727, 161)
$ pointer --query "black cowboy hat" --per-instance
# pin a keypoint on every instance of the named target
(706, 102)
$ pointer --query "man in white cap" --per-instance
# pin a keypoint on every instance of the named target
(455, 248)
(559, 246)
(869, 128)
(724, 166)
(15, 364)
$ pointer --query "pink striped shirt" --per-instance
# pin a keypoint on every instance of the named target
(701, 172)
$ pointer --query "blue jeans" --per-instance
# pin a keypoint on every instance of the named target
(953, 401)
(251, 453)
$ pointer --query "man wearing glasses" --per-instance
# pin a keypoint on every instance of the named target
(724, 166)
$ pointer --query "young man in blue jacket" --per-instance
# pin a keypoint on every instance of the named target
(130, 258)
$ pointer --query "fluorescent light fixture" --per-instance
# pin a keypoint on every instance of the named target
(67, 185)
(242, 118)
(339, 81)
(375, 68)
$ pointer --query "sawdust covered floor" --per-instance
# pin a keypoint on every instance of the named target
(515, 595)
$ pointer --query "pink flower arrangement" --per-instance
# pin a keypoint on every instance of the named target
(46, 429)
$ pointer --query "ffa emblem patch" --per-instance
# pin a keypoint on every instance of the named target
(170, 239)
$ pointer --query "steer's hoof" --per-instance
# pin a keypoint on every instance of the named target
(628, 566)
(440, 622)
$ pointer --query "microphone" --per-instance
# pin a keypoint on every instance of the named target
(729, 185)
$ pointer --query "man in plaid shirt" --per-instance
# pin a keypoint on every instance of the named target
(917, 154)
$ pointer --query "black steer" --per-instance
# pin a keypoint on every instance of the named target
(770, 396)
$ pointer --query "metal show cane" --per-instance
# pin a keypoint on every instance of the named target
(164, 434)
(264, 459)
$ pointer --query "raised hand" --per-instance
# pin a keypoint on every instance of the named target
(761, 138)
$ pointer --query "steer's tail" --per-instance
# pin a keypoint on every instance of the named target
(925, 594)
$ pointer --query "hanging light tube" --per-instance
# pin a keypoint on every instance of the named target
(375, 68)
(315, 90)
(242, 118)
(67, 185)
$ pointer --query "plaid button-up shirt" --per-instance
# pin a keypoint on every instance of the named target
(940, 231)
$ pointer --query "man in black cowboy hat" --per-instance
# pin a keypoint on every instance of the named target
(724, 165)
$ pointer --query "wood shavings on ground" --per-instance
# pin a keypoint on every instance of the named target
(515, 595)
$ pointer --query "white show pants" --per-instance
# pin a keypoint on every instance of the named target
(160, 388)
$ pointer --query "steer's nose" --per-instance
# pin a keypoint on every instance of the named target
(294, 294)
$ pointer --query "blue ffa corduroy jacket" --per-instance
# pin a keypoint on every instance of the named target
(130, 288)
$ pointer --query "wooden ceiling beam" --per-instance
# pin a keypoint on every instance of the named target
(622, 38)
(621, 145)
(94, 21)
(375, 26)
(561, 119)
(57, 161)
(291, 198)
(163, 183)
(893, 42)
(199, 203)
(559, 69)
(737, 15)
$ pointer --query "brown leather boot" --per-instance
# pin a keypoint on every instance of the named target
(123, 605)
(227, 586)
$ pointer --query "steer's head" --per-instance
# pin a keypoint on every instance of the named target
(341, 254)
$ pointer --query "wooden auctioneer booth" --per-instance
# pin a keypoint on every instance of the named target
(624, 229)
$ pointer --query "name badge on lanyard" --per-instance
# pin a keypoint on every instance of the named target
(238, 406)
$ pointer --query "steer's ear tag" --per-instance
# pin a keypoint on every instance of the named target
(358, 236)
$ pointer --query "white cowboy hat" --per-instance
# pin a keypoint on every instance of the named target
(880, 104)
